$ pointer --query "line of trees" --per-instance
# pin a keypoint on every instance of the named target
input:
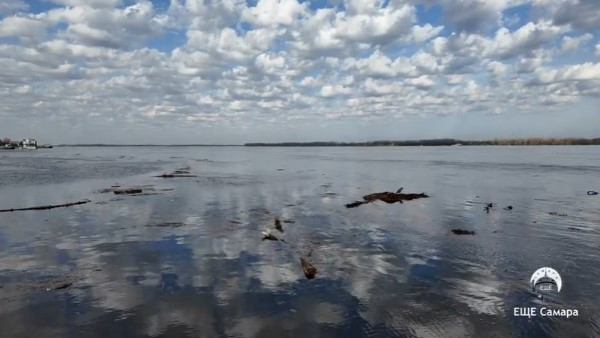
(544, 141)
(7, 141)
(439, 142)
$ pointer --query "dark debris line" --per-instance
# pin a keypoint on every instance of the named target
(47, 207)
(181, 172)
(463, 232)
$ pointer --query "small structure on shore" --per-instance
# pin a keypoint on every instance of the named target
(28, 143)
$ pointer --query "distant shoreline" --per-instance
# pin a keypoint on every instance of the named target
(439, 142)
(149, 145)
(385, 143)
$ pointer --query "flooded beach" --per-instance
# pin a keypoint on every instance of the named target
(182, 254)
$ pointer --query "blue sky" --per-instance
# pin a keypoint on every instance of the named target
(233, 71)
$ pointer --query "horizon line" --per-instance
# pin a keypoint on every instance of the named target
(333, 143)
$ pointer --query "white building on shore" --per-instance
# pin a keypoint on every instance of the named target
(29, 143)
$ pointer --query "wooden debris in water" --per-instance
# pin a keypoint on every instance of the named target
(278, 225)
(166, 225)
(354, 204)
(463, 232)
(181, 171)
(129, 191)
(309, 270)
(488, 207)
(553, 213)
(63, 286)
(118, 190)
(47, 207)
(268, 235)
(174, 175)
(387, 197)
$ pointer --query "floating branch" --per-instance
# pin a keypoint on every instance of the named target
(387, 197)
(130, 191)
(463, 232)
(278, 225)
(47, 207)
(175, 175)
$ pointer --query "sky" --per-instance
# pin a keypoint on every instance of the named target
(235, 71)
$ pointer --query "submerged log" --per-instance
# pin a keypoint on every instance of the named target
(554, 213)
(309, 270)
(167, 225)
(175, 175)
(387, 197)
(392, 197)
(181, 172)
(463, 232)
(355, 204)
(268, 235)
(118, 190)
(63, 286)
(278, 225)
(488, 207)
(130, 191)
(47, 207)
(185, 170)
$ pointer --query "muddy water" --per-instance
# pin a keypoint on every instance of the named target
(185, 257)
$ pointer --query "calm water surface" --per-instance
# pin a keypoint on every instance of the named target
(186, 257)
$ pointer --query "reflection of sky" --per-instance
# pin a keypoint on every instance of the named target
(383, 269)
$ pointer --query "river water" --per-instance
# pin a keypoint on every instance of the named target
(186, 258)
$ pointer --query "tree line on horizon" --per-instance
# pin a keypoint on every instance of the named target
(534, 141)
(7, 141)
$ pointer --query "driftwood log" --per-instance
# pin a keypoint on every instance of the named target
(309, 270)
(47, 207)
(175, 175)
(463, 232)
(130, 191)
(387, 197)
